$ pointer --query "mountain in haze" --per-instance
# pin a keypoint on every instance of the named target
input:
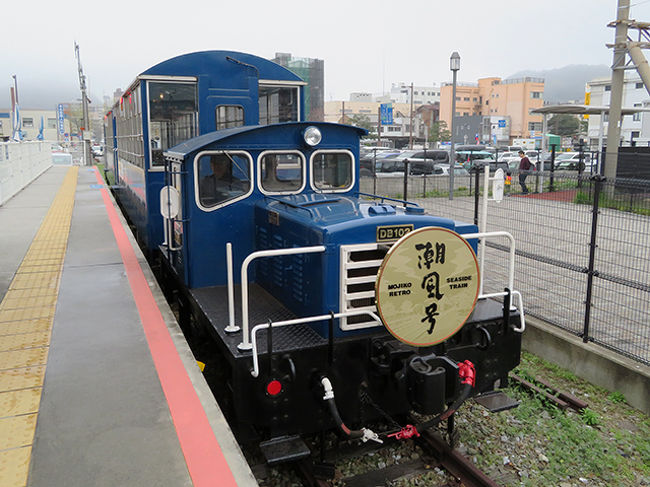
(568, 83)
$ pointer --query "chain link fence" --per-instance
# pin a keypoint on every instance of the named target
(583, 247)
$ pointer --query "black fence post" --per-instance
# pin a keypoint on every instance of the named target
(424, 185)
(374, 172)
(550, 183)
(406, 180)
(591, 273)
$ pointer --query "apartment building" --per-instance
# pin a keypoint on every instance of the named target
(635, 129)
(512, 99)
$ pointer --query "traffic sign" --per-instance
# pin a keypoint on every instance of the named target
(502, 124)
(386, 113)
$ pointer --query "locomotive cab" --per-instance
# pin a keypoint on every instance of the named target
(282, 260)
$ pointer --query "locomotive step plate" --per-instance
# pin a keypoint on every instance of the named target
(284, 449)
(496, 401)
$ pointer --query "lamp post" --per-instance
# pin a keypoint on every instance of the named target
(454, 65)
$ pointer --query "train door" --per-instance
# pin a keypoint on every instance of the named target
(171, 209)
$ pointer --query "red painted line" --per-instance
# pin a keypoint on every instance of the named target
(205, 461)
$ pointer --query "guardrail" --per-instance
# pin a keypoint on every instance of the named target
(20, 164)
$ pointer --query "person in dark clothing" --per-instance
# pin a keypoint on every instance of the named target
(524, 168)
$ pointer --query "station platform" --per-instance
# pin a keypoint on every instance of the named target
(97, 384)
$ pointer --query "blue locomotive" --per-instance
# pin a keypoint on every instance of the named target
(327, 308)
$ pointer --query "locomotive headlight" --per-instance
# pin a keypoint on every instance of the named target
(312, 136)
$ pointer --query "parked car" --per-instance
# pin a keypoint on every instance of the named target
(98, 150)
(472, 160)
(366, 161)
(571, 160)
(443, 170)
(424, 162)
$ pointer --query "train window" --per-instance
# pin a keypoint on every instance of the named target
(229, 116)
(278, 104)
(332, 170)
(173, 116)
(281, 172)
(222, 178)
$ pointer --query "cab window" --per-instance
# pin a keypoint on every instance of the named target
(229, 116)
(281, 172)
(222, 177)
(332, 170)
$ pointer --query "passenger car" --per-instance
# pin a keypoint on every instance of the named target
(61, 159)
(478, 159)
(571, 160)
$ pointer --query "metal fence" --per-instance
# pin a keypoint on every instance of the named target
(583, 248)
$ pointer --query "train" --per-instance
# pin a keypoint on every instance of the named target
(325, 308)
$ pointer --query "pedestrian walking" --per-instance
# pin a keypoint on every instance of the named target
(524, 168)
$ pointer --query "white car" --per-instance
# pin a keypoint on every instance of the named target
(570, 160)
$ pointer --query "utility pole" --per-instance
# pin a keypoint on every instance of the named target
(411, 129)
(379, 125)
(616, 97)
(85, 130)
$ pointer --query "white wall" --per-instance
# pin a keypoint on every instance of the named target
(20, 164)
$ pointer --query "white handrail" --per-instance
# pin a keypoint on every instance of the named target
(522, 318)
(309, 319)
(246, 344)
(232, 327)
(511, 264)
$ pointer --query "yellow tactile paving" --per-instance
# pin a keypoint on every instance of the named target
(22, 401)
(17, 431)
(26, 316)
(25, 340)
(25, 378)
(22, 358)
(31, 326)
(14, 466)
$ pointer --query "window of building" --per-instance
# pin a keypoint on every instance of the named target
(229, 116)
(535, 94)
(466, 98)
(28, 122)
(281, 172)
(474, 99)
(608, 87)
(222, 177)
(331, 171)
(639, 86)
(173, 116)
(51, 123)
(458, 98)
(535, 126)
(636, 117)
(635, 134)
(465, 114)
(278, 104)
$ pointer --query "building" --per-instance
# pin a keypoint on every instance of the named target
(31, 124)
(312, 71)
(422, 95)
(510, 100)
(635, 129)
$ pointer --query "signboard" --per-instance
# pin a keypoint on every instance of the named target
(502, 123)
(386, 113)
(427, 286)
(59, 117)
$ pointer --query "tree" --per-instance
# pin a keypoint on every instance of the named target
(439, 132)
(564, 124)
(361, 121)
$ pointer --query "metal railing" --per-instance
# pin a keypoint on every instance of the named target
(583, 247)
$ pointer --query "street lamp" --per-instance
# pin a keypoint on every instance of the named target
(454, 65)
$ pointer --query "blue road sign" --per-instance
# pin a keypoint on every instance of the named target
(502, 124)
(59, 116)
(386, 113)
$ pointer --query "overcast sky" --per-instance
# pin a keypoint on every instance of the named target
(366, 45)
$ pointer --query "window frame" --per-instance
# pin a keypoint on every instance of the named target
(267, 83)
(168, 80)
(280, 151)
(229, 105)
(223, 204)
(331, 151)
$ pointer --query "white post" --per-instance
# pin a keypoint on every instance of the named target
(231, 328)
(483, 222)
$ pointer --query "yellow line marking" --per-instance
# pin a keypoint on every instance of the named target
(26, 317)
(14, 465)
(17, 431)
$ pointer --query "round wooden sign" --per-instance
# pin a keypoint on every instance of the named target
(427, 286)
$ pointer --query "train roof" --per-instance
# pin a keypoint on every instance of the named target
(180, 151)
(201, 62)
